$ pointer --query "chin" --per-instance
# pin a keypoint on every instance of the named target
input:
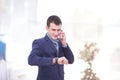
(54, 38)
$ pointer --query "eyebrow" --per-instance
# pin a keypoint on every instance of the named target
(56, 29)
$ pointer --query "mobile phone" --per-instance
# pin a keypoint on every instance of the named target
(60, 35)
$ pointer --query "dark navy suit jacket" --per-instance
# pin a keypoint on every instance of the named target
(42, 54)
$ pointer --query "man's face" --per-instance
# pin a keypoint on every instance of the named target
(54, 30)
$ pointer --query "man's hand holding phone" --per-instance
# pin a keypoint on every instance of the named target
(62, 38)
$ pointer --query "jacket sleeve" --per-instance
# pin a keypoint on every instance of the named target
(36, 58)
(68, 54)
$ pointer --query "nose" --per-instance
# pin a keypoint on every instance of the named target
(56, 32)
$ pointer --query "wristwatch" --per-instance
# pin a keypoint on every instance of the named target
(56, 60)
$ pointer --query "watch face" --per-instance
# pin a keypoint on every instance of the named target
(56, 60)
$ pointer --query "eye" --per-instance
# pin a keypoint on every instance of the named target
(53, 29)
(59, 30)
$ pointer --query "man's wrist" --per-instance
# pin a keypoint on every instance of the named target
(65, 45)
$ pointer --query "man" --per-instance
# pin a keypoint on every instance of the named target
(51, 52)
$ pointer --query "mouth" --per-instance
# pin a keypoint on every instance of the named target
(55, 37)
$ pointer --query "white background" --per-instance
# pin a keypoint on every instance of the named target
(21, 21)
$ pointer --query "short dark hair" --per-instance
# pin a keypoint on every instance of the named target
(53, 19)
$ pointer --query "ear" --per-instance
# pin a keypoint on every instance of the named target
(46, 27)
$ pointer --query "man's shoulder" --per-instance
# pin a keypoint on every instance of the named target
(41, 40)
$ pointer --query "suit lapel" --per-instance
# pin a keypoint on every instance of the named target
(50, 43)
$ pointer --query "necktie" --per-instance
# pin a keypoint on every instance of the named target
(57, 47)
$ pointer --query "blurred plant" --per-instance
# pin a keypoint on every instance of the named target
(88, 54)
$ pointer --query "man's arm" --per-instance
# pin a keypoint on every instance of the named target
(35, 57)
